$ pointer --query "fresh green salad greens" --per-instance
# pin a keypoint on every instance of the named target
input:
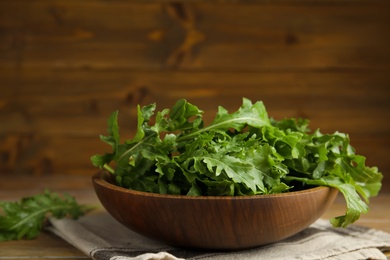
(24, 219)
(241, 153)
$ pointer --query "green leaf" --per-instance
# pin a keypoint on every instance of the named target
(24, 219)
(113, 131)
(194, 191)
(235, 169)
(220, 188)
(143, 116)
(355, 206)
(101, 160)
(247, 115)
(181, 114)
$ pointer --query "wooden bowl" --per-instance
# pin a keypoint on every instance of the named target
(213, 222)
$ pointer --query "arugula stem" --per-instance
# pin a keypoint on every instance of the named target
(43, 211)
(135, 146)
(216, 126)
(108, 168)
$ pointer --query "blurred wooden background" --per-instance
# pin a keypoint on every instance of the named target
(65, 66)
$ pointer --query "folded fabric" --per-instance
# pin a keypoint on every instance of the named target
(102, 238)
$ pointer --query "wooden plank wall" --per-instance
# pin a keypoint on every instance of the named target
(66, 65)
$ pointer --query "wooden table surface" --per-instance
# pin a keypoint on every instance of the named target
(49, 246)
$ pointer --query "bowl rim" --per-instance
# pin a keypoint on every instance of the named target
(100, 179)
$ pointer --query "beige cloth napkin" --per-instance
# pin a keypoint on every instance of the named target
(102, 238)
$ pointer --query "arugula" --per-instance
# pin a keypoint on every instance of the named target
(241, 153)
(24, 219)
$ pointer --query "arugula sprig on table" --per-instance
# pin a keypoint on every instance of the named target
(241, 153)
(24, 219)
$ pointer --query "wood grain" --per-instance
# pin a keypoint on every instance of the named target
(66, 65)
(232, 36)
(46, 246)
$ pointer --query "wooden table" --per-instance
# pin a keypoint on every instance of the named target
(49, 246)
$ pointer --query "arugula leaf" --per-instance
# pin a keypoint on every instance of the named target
(24, 219)
(247, 115)
(112, 139)
(355, 206)
(238, 154)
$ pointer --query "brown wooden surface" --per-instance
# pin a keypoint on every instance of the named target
(66, 65)
(49, 246)
(198, 35)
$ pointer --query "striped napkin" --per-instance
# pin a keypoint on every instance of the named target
(101, 237)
